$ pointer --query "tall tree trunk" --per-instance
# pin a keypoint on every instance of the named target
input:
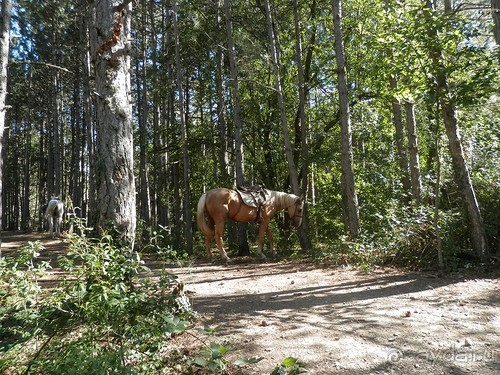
(25, 213)
(437, 189)
(276, 64)
(188, 228)
(90, 208)
(221, 108)
(161, 115)
(460, 170)
(349, 196)
(74, 185)
(243, 248)
(4, 60)
(144, 195)
(156, 198)
(397, 120)
(303, 232)
(42, 173)
(495, 12)
(110, 46)
(411, 128)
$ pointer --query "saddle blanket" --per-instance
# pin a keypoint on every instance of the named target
(254, 196)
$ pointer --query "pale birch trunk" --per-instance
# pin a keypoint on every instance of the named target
(110, 47)
(349, 196)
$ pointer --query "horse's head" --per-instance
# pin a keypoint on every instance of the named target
(295, 212)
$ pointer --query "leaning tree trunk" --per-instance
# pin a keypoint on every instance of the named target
(243, 248)
(349, 196)
(460, 170)
(292, 170)
(110, 47)
(4, 59)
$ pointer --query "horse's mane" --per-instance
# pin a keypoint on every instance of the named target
(281, 199)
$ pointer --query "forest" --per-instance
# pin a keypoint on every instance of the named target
(378, 120)
(385, 115)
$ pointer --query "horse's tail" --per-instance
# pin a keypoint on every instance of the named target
(201, 217)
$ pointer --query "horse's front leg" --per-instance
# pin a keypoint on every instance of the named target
(219, 231)
(263, 228)
(269, 235)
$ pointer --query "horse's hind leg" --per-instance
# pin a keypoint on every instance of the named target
(51, 225)
(264, 230)
(58, 226)
(219, 231)
(208, 240)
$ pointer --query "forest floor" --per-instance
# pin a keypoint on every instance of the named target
(339, 320)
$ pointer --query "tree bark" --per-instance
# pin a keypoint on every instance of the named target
(243, 248)
(276, 65)
(495, 12)
(349, 196)
(188, 229)
(110, 46)
(303, 231)
(144, 193)
(4, 60)
(90, 209)
(411, 128)
(461, 172)
(397, 120)
(221, 108)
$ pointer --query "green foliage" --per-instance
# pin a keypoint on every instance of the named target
(161, 246)
(104, 316)
(101, 317)
(21, 298)
(289, 366)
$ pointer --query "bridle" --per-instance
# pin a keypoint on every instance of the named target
(295, 211)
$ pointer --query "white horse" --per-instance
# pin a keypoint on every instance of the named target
(54, 214)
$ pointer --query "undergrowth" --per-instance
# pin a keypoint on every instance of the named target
(406, 241)
(106, 315)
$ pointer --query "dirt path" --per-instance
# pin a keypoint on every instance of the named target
(340, 320)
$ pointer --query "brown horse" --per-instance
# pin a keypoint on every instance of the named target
(216, 205)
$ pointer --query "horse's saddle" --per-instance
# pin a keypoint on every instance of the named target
(253, 196)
